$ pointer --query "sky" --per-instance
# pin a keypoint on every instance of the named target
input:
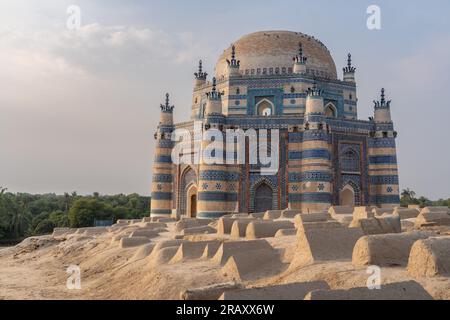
(78, 108)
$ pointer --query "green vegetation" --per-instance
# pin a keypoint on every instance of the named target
(408, 197)
(23, 215)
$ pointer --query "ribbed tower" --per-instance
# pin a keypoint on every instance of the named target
(349, 70)
(217, 183)
(383, 170)
(300, 61)
(162, 184)
(200, 76)
(233, 64)
(315, 157)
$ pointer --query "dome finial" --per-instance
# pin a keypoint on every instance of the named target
(167, 107)
(382, 103)
(300, 58)
(214, 84)
(314, 91)
(214, 94)
(200, 75)
(233, 62)
(349, 68)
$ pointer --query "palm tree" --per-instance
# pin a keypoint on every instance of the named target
(19, 219)
(409, 194)
(66, 201)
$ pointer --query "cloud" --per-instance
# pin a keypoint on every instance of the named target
(94, 49)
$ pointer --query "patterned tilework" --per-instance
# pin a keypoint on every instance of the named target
(162, 182)
(384, 182)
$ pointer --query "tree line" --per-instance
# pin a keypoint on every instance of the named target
(23, 214)
(408, 197)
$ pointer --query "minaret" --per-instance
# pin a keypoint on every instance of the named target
(162, 184)
(214, 103)
(233, 64)
(382, 111)
(200, 76)
(349, 71)
(383, 169)
(216, 195)
(316, 188)
(300, 61)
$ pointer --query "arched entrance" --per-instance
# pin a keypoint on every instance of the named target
(191, 206)
(187, 188)
(347, 196)
(263, 198)
(330, 111)
(265, 108)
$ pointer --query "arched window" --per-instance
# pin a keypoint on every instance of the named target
(330, 111)
(264, 108)
(350, 160)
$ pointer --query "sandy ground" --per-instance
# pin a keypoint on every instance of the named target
(36, 269)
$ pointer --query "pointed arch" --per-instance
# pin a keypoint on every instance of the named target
(330, 110)
(349, 160)
(350, 194)
(263, 183)
(265, 108)
(188, 181)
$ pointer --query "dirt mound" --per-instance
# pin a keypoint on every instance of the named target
(430, 258)
(386, 249)
(248, 265)
(286, 233)
(289, 214)
(239, 228)
(192, 250)
(212, 292)
(198, 230)
(342, 214)
(191, 223)
(406, 213)
(380, 225)
(228, 249)
(311, 217)
(133, 242)
(143, 252)
(266, 229)
(409, 290)
(144, 232)
(433, 216)
(272, 214)
(291, 291)
(324, 242)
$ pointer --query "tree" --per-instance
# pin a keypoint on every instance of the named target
(19, 220)
(409, 194)
(45, 227)
(85, 211)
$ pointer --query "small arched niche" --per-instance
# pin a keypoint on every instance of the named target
(347, 196)
(330, 111)
(265, 108)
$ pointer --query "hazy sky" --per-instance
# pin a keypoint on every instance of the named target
(78, 109)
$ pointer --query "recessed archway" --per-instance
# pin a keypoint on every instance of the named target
(330, 111)
(263, 198)
(265, 108)
(191, 205)
(347, 196)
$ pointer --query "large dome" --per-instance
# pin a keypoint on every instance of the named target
(273, 51)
